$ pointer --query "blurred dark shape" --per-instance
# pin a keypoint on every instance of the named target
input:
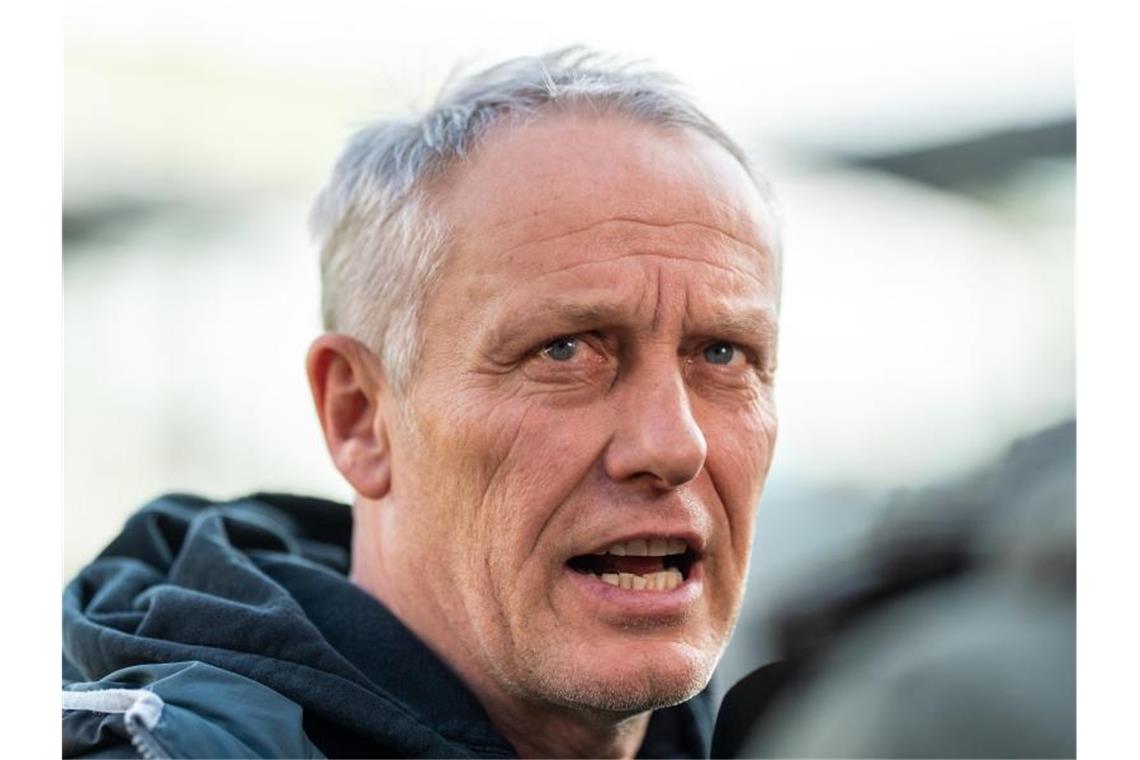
(89, 227)
(951, 634)
(104, 221)
(969, 164)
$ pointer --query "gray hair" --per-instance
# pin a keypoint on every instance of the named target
(382, 243)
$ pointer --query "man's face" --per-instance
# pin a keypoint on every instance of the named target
(597, 371)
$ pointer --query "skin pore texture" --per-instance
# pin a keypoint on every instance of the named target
(598, 366)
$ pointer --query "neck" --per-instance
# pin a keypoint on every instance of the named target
(539, 732)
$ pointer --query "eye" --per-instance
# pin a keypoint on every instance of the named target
(561, 349)
(570, 361)
(721, 353)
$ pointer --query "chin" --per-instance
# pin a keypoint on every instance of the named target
(630, 678)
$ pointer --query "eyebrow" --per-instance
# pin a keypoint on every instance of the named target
(512, 326)
(569, 315)
(752, 323)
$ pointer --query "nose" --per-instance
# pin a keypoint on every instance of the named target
(655, 435)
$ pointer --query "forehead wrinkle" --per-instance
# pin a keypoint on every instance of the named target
(655, 322)
(760, 250)
(658, 254)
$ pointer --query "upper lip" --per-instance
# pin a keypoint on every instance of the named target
(695, 540)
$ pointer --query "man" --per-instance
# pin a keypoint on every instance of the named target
(548, 377)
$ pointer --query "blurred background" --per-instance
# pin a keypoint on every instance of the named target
(923, 156)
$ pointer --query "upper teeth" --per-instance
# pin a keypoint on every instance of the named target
(652, 547)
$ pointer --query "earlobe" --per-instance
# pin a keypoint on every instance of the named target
(347, 384)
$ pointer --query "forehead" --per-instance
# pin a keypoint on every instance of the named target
(565, 171)
(540, 202)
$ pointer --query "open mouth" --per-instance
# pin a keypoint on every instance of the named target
(655, 564)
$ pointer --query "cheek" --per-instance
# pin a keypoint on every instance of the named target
(551, 451)
(500, 475)
(740, 452)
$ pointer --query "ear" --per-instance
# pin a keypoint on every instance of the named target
(349, 390)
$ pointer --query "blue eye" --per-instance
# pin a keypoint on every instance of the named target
(720, 353)
(561, 349)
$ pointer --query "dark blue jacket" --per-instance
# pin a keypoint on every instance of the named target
(230, 630)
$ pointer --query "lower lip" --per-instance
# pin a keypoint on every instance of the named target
(644, 604)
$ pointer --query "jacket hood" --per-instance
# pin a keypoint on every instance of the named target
(257, 587)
